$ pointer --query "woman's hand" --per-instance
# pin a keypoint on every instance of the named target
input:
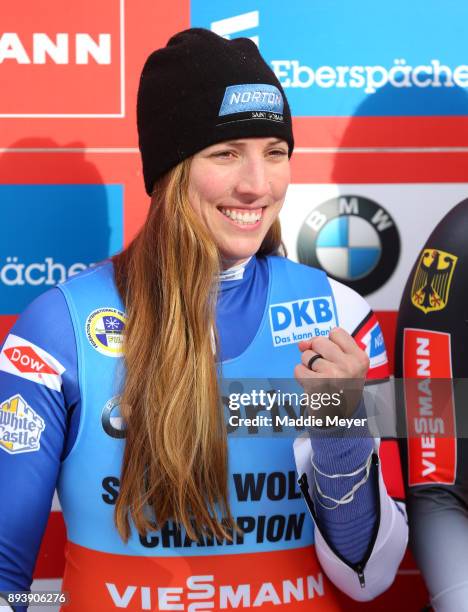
(341, 367)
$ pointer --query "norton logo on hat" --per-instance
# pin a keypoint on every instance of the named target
(104, 329)
(254, 101)
(353, 239)
(432, 280)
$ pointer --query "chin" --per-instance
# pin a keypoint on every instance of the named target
(239, 254)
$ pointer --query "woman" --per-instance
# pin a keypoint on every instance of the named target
(152, 507)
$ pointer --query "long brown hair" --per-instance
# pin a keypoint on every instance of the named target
(175, 457)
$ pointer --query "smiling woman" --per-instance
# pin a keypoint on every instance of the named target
(238, 188)
(168, 502)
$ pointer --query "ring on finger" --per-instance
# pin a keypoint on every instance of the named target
(313, 359)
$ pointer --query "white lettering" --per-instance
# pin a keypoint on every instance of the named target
(399, 75)
(12, 267)
(348, 206)
(342, 71)
(120, 601)
(238, 23)
(12, 48)
(325, 76)
(204, 589)
(438, 70)
(51, 268)
(57, 51)
(370, 78)
(35, 274)
(381, 220)
(43, 46)
(34, 281)
(169, 598)
(298, 71)
(423, 366)
(423, 70)
(145, 598)
(266, 594)
(316, 220)
(278, 66)
(460, 76)
(422, 346)
(227, 596)
(99, 51)
(294, 590)
(373, 83)
(315, 586)
(357, 76)
(429, 467)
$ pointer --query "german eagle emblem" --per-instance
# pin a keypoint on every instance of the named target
(432, 279)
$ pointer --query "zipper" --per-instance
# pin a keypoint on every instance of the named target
(360, 573)
(356, 567)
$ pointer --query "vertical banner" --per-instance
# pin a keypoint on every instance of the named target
(430, 407)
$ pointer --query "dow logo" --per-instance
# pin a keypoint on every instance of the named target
(354, 239)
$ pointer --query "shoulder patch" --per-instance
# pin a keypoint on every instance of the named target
(27, 360)
(20, 426)
(370, 338)
(104, 330)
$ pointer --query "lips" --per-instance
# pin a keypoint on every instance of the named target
(242, 217)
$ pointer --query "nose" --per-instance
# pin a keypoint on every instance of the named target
(253, 179)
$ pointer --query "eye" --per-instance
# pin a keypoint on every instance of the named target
(278, 152)
(223, 154)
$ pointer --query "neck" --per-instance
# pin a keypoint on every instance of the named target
(235, 271)
(227, 264)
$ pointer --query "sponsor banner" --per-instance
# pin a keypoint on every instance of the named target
(430, 407)
(73, 61)
(354, 239)
(70, 72)
(291, 579)
(105, 167)
(291, 322)
(354, 231)
(20, 426)
(51, 232)
(403, 72)
(27, 360)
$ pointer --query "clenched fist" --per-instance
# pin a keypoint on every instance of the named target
(337, 364)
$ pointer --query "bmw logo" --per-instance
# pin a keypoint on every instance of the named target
(353, 239)
(111, 420)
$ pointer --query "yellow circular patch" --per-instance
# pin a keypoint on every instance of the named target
(104, 329)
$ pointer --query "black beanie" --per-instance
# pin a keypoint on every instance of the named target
(202, 89)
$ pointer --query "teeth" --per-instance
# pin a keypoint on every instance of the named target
(242, 218)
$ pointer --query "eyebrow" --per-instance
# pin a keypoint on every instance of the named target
(242, 141)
